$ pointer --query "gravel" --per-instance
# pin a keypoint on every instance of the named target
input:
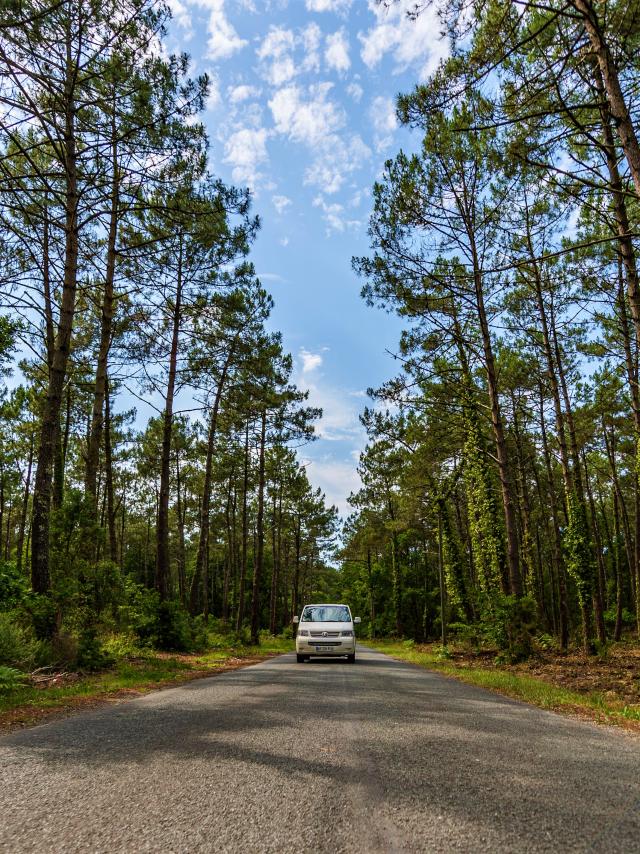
(327, 756)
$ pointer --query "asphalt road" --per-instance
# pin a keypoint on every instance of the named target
(320, 757)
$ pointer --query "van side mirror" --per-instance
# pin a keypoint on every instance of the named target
(296, 619)
(357, 620)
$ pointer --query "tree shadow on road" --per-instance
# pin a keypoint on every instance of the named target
(403, 735)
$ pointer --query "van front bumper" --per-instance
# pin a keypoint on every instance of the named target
(311, 646)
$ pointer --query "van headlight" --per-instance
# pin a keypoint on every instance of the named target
(348, 634)
(304, 633)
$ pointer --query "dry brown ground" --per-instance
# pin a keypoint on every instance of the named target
(616, 676)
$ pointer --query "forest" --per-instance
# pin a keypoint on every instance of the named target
(500, 499)
(151, 478)
(149, 426)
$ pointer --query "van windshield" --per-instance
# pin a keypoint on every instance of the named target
(326, 614)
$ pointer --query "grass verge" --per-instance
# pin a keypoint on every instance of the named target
(530, 689)
(131, 676)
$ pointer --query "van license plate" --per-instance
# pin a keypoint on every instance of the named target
(324, 649)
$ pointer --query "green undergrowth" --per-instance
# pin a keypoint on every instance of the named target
(132, 668)
(529, 689)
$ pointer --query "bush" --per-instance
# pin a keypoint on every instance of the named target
(174, 630)
(510, 623)
(44, 615)
(102, 586)
(120, 646)
(165, 625)
(243, 637)
(602, 649)
(13, 587)
(546, 642)
(200, 639)
(18, 645)
(91, 655)
(628, 617)
(10, 678)
(62, 650)
(443, 653)
(465, 634)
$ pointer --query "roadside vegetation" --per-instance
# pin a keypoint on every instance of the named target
(118, 666)
(152, 499)
(500, 499)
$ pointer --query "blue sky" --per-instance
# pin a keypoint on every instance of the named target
(301, 110)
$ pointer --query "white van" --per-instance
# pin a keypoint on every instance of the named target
(325, 630)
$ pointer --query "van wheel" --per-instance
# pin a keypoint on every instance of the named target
(351, 658)
(300, 659)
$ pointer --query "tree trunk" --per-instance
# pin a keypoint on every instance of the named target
(25, 510)
(511, 526)
(50, 415)
(274, 570)
(617, 631)
(205, 506)
(563, 611)
(599, 593)
(245, 532)
(297, 536)
(106, 327)
(112, 510)
(182, 582)
(615, 97)
(162, 572)
(259, 564)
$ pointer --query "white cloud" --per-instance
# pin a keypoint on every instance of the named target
(338, 6)
(275, 53)
(334, 216)
(237, 94)
(246, 150)
(181, 14)
(306, 120)
(213, 98)
(335, 162)
(280, 203)
(340, 411)
(310, 361)
(355, 90)
(337, 52)
(336, 478)
(308, 116)
(284, 241)
(310, 39)
(416, 42)
(383, 117)
(224, 41)
(339, 422)
(333, 470)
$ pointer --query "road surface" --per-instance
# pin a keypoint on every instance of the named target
(320, 757)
